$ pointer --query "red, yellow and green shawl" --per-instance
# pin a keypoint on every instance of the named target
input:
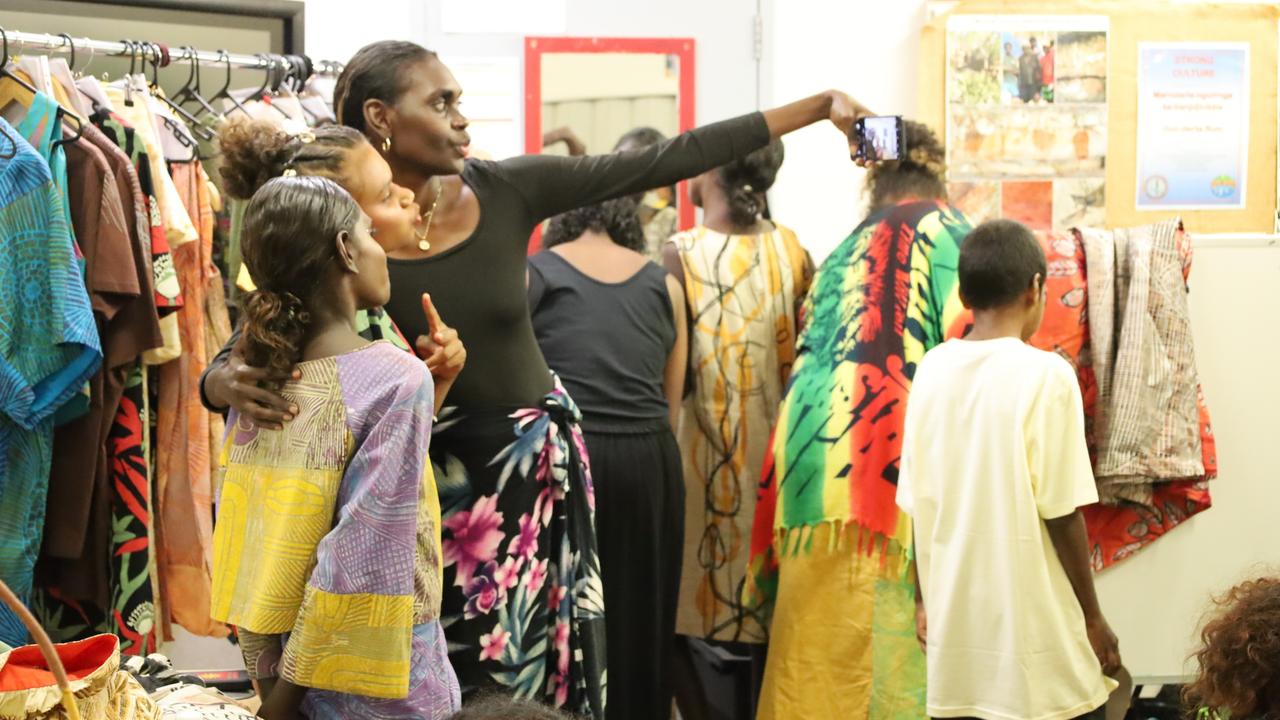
(882, 299)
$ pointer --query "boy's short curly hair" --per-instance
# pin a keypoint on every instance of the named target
(1240, 657)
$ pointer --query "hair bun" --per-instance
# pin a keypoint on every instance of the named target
(746, 179)
(920, 173)
(745, 205)
(253, 152)
(927, 159)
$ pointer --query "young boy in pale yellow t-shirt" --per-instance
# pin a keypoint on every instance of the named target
(994, 470)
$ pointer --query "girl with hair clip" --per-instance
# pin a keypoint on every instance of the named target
(744, 277)
(523, 594)
(326, 553)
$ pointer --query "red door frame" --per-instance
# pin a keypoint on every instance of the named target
(682, 48)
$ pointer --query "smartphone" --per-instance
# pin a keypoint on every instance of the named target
(879, 138)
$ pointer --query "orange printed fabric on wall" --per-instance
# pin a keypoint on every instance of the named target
(1115, 531)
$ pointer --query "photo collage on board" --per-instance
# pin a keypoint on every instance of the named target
(1027, 119)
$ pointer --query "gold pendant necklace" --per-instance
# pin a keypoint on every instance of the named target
(423, 244)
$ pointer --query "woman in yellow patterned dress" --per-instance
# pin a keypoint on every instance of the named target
(745, 277)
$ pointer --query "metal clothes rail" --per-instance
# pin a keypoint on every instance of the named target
(151, 51)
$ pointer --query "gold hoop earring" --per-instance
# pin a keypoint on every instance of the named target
(386, 145)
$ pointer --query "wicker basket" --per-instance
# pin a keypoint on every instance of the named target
(46, 648)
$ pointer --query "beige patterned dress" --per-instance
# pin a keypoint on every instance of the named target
(743, 291)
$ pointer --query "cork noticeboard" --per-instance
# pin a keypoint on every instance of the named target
(1132, 23)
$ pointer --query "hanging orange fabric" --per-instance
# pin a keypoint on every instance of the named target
(183, 432)
(1115, 531)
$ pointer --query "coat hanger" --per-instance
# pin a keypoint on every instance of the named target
(154, 51)
(284, 76)
(12, 150)
(298, 75)
(269, 83)
(132, 48)
(302, 73)
(191, 90)
(158, 57)
(266, 76)
(291, 71)
(4, 64)
(225, 92)
(72, 63)
(71, 46)
(70, 119)
(91, 87)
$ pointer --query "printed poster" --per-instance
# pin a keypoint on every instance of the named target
(1193, 109)
(1026, 128)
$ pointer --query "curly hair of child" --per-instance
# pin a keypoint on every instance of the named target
(1239, 660)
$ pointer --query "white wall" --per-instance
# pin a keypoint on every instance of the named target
(1156, 599)
(723, 28)
(864, 47)
(336, 29)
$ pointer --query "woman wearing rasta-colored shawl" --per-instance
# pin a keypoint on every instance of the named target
(830, 550)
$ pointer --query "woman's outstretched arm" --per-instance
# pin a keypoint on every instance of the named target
(832, 105)
(551, 185)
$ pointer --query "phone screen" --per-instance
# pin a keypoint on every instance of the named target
(880, 137)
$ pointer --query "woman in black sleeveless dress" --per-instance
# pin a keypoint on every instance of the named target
(612, 326)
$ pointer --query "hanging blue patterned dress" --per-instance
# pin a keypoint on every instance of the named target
(48, 349)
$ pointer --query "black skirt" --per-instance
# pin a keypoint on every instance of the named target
(639, 488)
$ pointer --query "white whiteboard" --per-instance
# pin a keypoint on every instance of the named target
(1156, 599)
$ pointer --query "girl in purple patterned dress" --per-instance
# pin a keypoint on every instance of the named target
(326, 553)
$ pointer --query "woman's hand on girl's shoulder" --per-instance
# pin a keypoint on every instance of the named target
(246, 389)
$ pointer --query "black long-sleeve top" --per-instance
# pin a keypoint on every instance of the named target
(478, 286)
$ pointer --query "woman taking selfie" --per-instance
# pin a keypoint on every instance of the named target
(522, 596)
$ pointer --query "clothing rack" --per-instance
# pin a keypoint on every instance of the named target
(157, 53)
